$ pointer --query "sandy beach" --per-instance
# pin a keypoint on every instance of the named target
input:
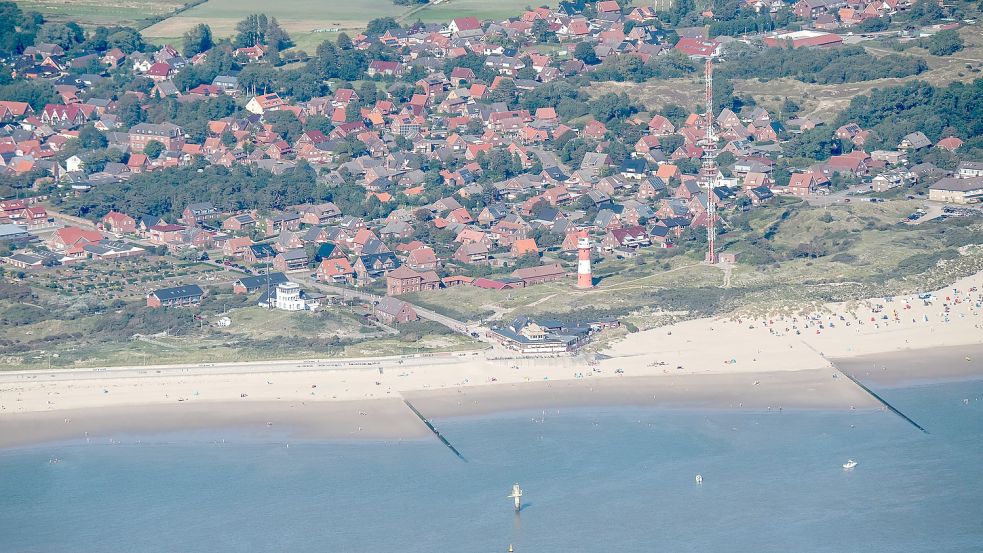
(737, 361)
(391, 419)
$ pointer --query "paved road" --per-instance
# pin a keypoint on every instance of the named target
(235, 367)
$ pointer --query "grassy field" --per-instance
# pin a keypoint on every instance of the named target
(256, 334)
(100, 12)
(300, 18)
(482, 9)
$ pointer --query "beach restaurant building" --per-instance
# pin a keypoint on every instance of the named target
(529, 337)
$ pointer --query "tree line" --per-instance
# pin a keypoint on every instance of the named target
(844, 64)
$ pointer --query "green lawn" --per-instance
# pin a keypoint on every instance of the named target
(300, 18)
(100, 12)
(482, 9)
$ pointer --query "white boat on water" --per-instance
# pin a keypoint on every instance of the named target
(849, 464)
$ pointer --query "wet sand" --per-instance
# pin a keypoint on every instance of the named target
(381, 419)
(899, 368)
(391, 419)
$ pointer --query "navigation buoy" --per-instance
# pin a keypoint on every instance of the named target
(517, 496)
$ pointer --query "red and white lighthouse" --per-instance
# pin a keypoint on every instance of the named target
(585, 279)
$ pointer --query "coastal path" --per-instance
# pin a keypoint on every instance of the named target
(273, 366)
(461, 327)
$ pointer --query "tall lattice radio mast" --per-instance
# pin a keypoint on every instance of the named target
(709, 169)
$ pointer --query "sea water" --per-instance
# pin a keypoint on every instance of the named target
(613, 479)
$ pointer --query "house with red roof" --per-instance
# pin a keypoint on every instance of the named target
(464, 25)
(950, 143)
(160, 71)
(250, 53)
(404, 280)
(265, 102)
(803, 184)
(119, 223)
(698, 48)
(67, 238)
(422, 259)
(608, 6)
(65, 115)
(336, 270)
(385, 68)
(595, 130)
(524, 246)
(14, 110)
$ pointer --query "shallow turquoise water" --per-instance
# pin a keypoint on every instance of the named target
(595, 480)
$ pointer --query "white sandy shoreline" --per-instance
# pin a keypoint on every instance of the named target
(726, 362)
(391, 419)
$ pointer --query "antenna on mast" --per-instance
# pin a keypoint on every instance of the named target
(709, 169)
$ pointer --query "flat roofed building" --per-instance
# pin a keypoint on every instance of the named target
(176, 296)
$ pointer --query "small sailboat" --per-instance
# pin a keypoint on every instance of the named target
(849, 464)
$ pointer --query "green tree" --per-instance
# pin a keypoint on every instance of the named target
(817, 144)
(129, 111)
(197, 39)
(17, 29)
(541, 31)
(584, 51)
(790, 107)
(344, 41)
(319, 123)
(380, 25)
(90, 138)
(612, 106)
(285, 124)
(66, 35)
(34, 92)
(126, 39)
(153, 149)
(368, 93)
(945, 43)
(260, 29)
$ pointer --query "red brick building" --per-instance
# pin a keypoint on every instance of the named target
(119, 223)
(392, 310)
(403, 280)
